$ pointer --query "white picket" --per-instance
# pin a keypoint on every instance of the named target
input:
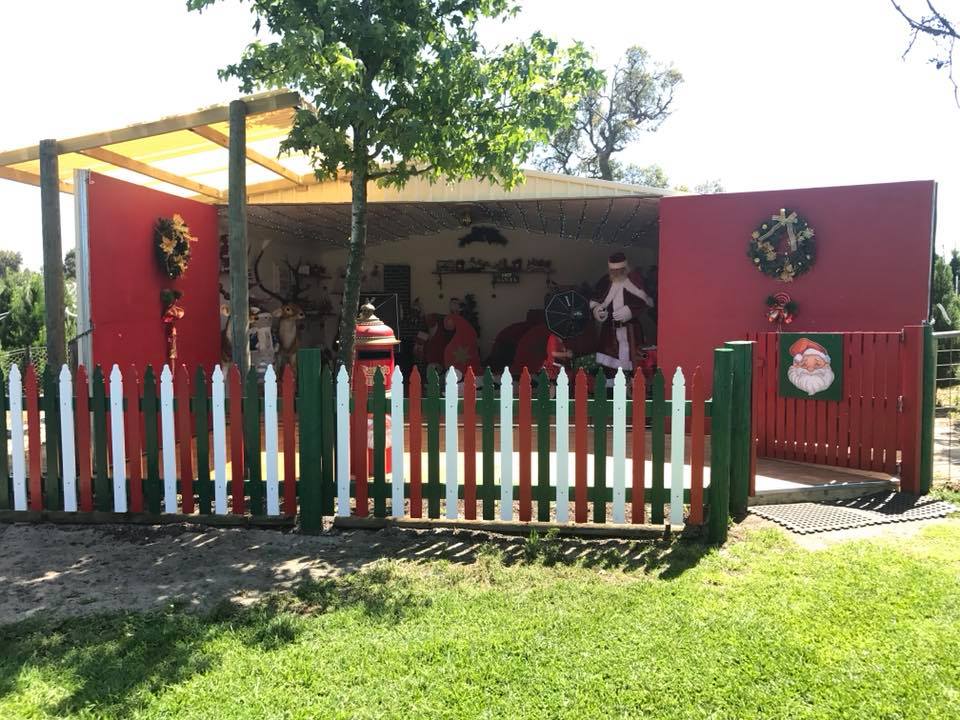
(619, 446)
(563, 446)
(506, 445)
(396, 443)
(677, 429)
(343, 442)
(219, 442)
(450, 438)
(117, 442)
(271, 432)
(15, 393)
(169, 443)
(68, 442)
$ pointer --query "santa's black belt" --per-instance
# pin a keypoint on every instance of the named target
(617, 324)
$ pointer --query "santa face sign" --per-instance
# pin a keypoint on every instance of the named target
(811, 366)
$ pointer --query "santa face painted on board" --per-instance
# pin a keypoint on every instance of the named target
(810, 371)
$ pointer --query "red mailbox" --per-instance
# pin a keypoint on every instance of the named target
(374, 346)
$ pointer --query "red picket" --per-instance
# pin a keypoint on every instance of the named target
(639, 442)
(469, 445)
(580, 446)
(236, 440)
(774, 415)
(416, 445)
(892, 400)
(184, 427)
(358, 434)
(81, 424)
(525, 446)
(854, 343)
(289, 442)
(33, 439)
(868, 412)
(833, 419)
(697, 447)
(131, 432)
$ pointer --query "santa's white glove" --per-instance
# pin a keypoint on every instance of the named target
(600, 313)
(622, 314)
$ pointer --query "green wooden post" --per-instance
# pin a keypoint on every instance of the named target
(152, 485)
(102, 487)
(328, 402)
(51, 423)
(658, 413)
(720, 418)
(487, 418)
(928, 408)
(600, 414)
(201, 411)
(378, 407)
(741, 409)
(542, 412)
(309, 418)
(5, 486)
(432, 412)
(252, 408)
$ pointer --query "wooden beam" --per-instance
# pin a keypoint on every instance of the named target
(22, 176)
(53, 287)
(122, 161)
(237, 224)
(256, 105)
(215, 136)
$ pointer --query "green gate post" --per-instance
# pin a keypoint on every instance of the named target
(311, 459)
(51, 423)
(740, 425)
(928, 408)
(720, 418)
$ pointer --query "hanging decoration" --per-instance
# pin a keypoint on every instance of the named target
(796, 259)
(781, 309)
(483, 233)
(172, 239)
(172, 312)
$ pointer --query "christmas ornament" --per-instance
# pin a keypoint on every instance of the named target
(172, 240)
(172, 312)
(781, 309)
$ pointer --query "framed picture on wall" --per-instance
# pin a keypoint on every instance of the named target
(811, 366)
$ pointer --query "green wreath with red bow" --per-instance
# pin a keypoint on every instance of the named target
(798, 255)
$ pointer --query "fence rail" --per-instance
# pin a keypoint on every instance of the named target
(222, 445)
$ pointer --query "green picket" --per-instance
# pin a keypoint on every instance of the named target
(432, 413)
(542, 412)
(658, 447)
(378, 405)
(308, 418)
(103, 489)
(488, 418)
(51, 422)
(201, 411)
(5, 480)
(328, 402)
(252, 410)
(152, 485)
(601, 412)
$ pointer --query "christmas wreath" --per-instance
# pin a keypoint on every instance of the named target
(172, 239)
(796, 259)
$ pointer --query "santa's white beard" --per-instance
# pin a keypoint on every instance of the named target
(811, 381)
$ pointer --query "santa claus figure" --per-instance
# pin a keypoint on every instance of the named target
(618, 303)
(810, 371)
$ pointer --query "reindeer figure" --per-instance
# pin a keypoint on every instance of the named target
(289, 315)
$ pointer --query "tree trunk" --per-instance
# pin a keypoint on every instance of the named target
(358, 245)
(603, 163)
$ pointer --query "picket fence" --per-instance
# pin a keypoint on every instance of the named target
(326, 446)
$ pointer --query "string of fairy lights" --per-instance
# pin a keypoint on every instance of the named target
(597, 220)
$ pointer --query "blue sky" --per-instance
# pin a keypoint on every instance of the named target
(776, 94)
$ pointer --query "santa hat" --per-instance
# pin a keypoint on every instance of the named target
(805, 346)
(616, 261)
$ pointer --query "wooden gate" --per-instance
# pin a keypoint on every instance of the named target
(876, 424)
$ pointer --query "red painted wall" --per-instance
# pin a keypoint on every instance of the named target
(125, 278)
(874, 252)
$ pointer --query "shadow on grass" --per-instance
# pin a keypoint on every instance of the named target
(115, 664)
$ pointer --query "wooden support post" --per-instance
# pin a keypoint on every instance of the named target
(740, 439)
(720, 444)
(53, 289)
(237, 223)
(928, 408)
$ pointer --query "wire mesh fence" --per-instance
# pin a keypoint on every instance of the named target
(946, 452)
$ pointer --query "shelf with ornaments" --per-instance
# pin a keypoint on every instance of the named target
(501, 273)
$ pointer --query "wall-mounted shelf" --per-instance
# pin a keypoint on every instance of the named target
(497, 277)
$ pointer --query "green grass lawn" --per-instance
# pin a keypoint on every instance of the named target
(760, 629)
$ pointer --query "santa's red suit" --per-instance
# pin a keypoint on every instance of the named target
(618, 305)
